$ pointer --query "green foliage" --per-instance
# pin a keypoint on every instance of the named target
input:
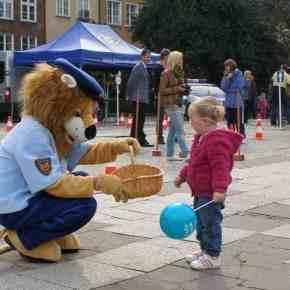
(208, 32)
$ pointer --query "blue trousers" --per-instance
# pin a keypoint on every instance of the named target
(47, 218)
(208, 227)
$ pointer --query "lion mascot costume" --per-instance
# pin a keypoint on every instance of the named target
(42, 201)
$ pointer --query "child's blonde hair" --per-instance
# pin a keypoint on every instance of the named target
(209, 108)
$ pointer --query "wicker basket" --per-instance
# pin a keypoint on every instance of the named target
(140, 180)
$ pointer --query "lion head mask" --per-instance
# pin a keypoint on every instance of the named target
(63, 99)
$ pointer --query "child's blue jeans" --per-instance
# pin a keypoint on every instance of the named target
(208, 227)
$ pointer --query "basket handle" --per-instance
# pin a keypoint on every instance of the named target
(132, 155)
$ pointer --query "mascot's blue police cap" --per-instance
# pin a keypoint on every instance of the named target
(84, 81)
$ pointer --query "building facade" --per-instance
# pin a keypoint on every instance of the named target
(120, 14)
(22, 26)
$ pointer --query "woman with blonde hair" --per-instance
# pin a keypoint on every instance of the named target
(171, 90)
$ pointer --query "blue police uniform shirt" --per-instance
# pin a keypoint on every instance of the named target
(29, 163)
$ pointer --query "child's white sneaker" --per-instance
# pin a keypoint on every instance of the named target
(206, 262)
(194, 256)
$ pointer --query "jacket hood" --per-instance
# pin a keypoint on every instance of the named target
(229, 138)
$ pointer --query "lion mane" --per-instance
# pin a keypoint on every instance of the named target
(50, 101)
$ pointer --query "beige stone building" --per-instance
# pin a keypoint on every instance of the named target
(62, 14)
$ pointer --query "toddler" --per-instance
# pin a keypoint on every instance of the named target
(208, 173)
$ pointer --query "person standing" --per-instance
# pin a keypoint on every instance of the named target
(233, 85)
(250, 96)
(280, 80)
(208, 174)
(171, 90)
(262, 106)
(138, 92)
(163, 63)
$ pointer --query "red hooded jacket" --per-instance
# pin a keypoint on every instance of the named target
(211, 162)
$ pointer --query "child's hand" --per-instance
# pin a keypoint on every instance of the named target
(218, 197)
(178, 181)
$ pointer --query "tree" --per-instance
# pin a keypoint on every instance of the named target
(210, 31)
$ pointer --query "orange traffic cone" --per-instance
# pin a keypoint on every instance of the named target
(122, 120)
(259, 130)
(129, 121)
(9, 124)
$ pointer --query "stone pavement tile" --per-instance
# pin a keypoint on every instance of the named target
(169, 188)
(20, 282)
(257, 241)
(141, 256)
(105, 219)
(211, 282)
(142, 283)
(146, 207)
(285, 202)
(268, 279)
(282, 231)
(81, 274)
(8, 268)
(109, 287)
(123, 214)
(146, 229)
(173, 274)
(256, 223)
(242, 288)
(248, 200)
(249, 254)
(274, 209)
(184, 247)
(101, 241)
(173, 195)
(81, 254)
(92, 226)
(19, 262)
(229, 235)
(240, 187)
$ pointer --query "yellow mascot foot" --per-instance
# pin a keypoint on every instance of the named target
(46, 252)
(69, 243)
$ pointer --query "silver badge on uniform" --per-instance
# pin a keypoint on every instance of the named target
(43, 165)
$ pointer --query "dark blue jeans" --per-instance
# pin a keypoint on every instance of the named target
(208, 227)
(47, 218)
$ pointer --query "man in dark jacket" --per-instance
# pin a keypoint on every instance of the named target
(138, 90)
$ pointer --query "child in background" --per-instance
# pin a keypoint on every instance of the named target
(263, 106)
(208, 173)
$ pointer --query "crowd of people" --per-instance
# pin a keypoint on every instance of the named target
(242, 101)
(210, 159)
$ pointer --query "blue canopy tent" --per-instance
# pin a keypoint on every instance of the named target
(93, 45)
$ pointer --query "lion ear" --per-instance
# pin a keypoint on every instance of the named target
(69, 80)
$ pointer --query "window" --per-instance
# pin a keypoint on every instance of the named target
(28, 41)
(6, 41)
(132, 11)
(83, 9)
(114, 15)
(62, 8)
(28, 10)
(6, 9)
